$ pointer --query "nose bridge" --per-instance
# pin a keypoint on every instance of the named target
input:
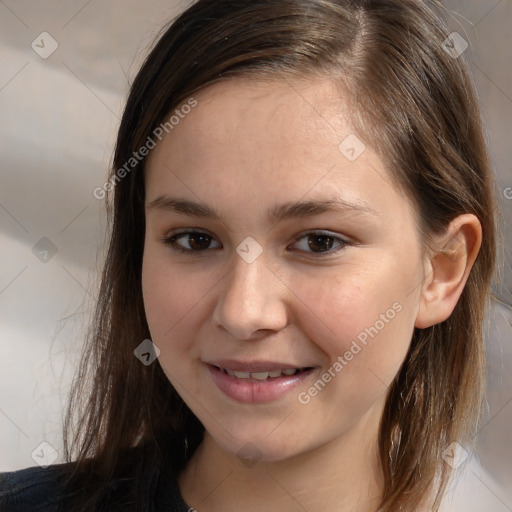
(250, 299)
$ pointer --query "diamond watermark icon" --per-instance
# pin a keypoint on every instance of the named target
(455, 45)
(146, 352)
(249, 250)
(44, 45)
(45, 454)
(249, 455)
(455, 455)
(351, 147)
(44, 249)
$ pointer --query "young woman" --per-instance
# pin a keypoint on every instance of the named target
(303, 233)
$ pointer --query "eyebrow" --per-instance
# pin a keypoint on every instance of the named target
(278, 213)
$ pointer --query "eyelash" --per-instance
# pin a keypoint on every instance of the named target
(171, 241)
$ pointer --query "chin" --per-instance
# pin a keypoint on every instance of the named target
(253, 447)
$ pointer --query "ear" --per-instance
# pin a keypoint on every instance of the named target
(447, 270)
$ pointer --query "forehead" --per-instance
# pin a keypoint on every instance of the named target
(257, 125)
(257, 111)
(270, 99)
(269, 140)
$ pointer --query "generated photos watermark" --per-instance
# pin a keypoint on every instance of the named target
(44, 454)
(147, 352)
(342, 361)
(143, 151)
(455, 455)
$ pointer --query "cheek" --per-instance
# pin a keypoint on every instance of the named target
(363, 322)
(166, 309)
(169, 295)
(177, 303)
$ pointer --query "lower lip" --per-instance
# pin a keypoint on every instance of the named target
(256, 391)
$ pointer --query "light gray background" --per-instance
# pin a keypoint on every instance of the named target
(58, 122)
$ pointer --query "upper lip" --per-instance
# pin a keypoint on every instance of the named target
(254, 366)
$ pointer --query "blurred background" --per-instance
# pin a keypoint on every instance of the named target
(65, 71)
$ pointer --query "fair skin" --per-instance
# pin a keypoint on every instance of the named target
(246, 148)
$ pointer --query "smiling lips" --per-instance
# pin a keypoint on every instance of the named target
(256, 382)
(262, 375)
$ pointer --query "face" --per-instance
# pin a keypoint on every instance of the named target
(282, 269)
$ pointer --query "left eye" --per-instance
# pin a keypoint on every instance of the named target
(320, 242)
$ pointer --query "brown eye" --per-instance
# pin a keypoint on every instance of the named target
(320, 243)
(199, 241)
(191, 241)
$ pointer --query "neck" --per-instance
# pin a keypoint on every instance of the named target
(343, 474)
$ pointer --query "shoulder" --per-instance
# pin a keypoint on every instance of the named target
(36, 489)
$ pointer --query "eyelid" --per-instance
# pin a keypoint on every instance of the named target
(322, 232)
(183, 231)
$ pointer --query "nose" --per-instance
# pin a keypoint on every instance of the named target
(252, 301)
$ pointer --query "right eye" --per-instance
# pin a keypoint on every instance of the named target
(190, 241)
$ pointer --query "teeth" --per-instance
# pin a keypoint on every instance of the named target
(242, 375)
(259, 375)
(262, 375)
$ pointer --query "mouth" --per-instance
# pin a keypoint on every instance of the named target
(257, 382)
(263, 375)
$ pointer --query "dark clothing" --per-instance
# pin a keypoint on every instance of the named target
(42, 490)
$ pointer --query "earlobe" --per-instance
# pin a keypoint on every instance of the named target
(448, 270)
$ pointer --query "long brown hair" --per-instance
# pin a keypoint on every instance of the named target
(414, 102)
